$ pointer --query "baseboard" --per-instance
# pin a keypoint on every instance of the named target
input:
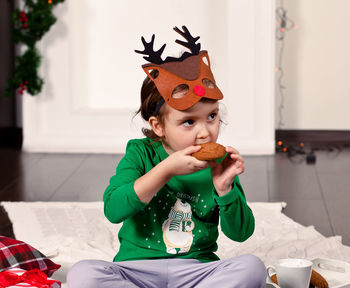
(115, 144)
(314, 137)
(11, 137)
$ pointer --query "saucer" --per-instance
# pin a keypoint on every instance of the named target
(337, 273)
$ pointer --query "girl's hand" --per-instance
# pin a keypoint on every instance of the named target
(224, 173)
(182, 163)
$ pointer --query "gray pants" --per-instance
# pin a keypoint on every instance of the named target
(245, 271)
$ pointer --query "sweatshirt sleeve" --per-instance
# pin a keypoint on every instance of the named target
(236, 218)
(120, 199)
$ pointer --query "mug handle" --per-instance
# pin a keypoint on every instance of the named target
(268, 269)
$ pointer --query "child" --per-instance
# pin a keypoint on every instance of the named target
(169, 201)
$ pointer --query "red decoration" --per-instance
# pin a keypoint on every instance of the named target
(199, 90)
(35, 277)
(8, 279)
(22, 87)
(23, 19)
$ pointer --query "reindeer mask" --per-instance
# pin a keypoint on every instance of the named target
(190, 70)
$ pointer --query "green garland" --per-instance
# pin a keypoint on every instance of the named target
(28, 27)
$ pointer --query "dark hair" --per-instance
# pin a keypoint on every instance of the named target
(150, 97)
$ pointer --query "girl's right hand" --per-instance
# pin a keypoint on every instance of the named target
(182, 162)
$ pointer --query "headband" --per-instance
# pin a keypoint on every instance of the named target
(190, 70)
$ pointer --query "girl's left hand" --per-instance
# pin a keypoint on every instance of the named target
(224, 173)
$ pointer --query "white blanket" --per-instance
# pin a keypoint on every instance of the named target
(70, 231)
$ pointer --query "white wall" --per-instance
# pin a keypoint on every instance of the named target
(316, 64)
(93, 77)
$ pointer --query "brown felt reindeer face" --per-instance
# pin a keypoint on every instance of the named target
(190, 71)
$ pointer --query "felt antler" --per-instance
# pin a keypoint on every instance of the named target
(191, 41)
(153, 56)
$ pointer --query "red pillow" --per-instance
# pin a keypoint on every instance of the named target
(14, 253)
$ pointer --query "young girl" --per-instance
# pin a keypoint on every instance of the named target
(170, 202)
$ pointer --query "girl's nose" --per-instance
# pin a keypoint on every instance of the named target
(203, 131)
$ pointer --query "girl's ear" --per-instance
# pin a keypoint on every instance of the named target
(156, 126)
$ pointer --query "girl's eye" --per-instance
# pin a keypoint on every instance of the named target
(212, 116)
(188, 122)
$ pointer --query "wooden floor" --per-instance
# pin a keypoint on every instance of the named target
(316, 195)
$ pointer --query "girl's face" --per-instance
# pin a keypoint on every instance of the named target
(196, 125)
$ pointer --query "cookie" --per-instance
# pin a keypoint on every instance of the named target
(317, 280)
(210, 151)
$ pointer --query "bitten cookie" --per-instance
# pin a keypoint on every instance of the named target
(210, 151)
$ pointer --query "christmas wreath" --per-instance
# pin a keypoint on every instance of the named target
(28, 26)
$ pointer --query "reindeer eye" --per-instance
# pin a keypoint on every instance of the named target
(180, 91)
(208, 83)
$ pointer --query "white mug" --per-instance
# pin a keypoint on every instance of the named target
(291, 272)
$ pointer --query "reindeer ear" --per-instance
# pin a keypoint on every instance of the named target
(205, 59)
(149, 69)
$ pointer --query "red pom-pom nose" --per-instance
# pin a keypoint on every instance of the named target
(199, 90)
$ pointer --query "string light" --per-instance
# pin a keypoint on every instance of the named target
(300, 152)
(284, 24)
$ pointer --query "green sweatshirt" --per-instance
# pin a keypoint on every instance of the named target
(182, 218)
